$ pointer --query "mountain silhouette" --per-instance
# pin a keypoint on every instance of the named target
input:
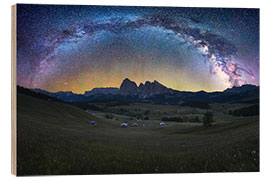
(128, 87)
(157, 93)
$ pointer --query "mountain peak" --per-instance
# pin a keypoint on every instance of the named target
(128, 87)
(141, 85)
(127, 80)
(150, 88)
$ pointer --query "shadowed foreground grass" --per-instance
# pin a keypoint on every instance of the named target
(55, 138)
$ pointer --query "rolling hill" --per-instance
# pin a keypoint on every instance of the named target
(55, 138)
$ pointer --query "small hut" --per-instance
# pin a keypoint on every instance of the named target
(124, 125)
(162, 124)
(93, 123)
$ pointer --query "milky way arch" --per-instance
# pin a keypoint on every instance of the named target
(216, 50)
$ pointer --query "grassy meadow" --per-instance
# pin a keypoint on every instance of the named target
(55, 138)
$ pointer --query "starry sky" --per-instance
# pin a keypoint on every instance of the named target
(77, 48)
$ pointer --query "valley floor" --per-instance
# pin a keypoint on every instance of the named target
(55, 138)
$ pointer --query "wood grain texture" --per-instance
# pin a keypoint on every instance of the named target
(13, 90)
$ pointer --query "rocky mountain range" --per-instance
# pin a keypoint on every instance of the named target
(157, 93)
(148, 89)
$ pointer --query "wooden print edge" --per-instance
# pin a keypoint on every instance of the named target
(13, 89)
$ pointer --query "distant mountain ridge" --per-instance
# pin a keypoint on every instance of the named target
(106, 91)
(157, 93)
(127, 88)
(240, 89)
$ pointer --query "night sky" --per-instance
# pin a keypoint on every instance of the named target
(77, 48)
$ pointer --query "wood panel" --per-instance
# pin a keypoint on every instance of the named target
(13, 90)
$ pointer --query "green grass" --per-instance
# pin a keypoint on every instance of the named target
(55, 138)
